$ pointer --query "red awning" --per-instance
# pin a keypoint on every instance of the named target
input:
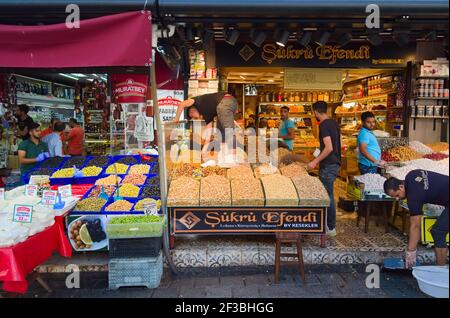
(116, 40)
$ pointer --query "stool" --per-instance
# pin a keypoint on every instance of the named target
(367, 215)
(288, 238)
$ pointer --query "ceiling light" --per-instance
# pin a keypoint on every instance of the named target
(104, 78)
(78, 75)
(374, 39)
(322, 38)
(270, 80)
(242, 77)
(345, 39)
(208, 37)
(431, 36)
(69, 76)
(401, 37)
(305, 38)
(231, 35)
(282, 38)
(257, 37)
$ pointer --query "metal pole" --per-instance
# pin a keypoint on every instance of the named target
(161, 157)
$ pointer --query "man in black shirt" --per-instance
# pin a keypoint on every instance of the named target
(25, 122)
(421, 187)
(329, 158)
(206, 107)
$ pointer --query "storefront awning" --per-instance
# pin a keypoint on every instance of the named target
(115, 40)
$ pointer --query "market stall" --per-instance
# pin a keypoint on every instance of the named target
(249, 198)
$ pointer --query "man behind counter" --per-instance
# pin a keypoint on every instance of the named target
(369, 158)
(31, 150)
(25, 122)
(287, 128)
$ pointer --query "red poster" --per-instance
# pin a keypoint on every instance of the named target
(129, 88)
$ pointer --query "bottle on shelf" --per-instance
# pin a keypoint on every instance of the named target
(291, 97)
(314, 98)
(309, 97)
(326, 97)
(296, 97)
(279, 97)
(285, 97)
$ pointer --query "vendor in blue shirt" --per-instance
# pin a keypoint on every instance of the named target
(369, 150)
(287, 128)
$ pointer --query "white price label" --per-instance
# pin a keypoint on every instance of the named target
(65, 191)
(316, 153)
(49, 197)
(23, 213)
(31, 190)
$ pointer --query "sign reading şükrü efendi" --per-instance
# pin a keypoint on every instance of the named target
(241, 220)
(331, 55)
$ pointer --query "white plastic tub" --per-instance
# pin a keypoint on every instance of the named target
(432, 280)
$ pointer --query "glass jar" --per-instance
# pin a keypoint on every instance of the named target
(429, 111)
(420, 111)
(413, 111)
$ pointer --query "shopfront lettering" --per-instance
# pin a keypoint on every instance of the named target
(280, 219)
(331, 53)
(213, 219)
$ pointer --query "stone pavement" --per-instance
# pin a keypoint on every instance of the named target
(323, 281)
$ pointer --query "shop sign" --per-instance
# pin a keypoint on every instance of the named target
(129, 88)
(312, 79)
(168, 102)
(330, 55)
(2, 194)
(23, 213)
(309, 220)
(65, 191)
(49, 197)
(31, 190)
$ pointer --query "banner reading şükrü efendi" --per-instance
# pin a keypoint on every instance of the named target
(308, 220)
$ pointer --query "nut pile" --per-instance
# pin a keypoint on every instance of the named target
(247, 192)
(64, 173)
(128, 190)
(121, 168)
(420, 147)
(137, 179)
(404, 153)
(109, 190)
(52, 162)
(42, 172)
(438, 146)
(266, 169)
(389, 143)
(120, 205)
(150, 191)
(128, 160)
(240, 172)
(293, 170)
(91, 171)
(99, 161)
(183, 191)
(183, 170)
(74, 161)
(311, 191)
(280, 190)
(142, 203)
(110, 180)
(215, 191)
(90, 204)
(210, 171)
(139, 169)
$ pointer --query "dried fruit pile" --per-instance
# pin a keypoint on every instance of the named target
(436, 156)
(438, 146)
(139, 169)
(137, 179)
(109, 190)
(74, 161)
(64, 173)
(265, 169)
(128, 190)
(120, 205)
(110, 180)
(240, 172)
(293, 170)
(120, 168)
(404, 153)
(91, 171)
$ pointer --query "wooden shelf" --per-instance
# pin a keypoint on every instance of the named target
(430, 98)
(369, 97)
(427, 117)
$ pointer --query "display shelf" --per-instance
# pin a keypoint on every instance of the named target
(284, 103)
(52, 102)
(433, 77)
(369, 97)
(430, 117)
(351, 114)
(430, 98)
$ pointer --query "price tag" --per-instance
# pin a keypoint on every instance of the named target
(2, 194)
(23, 213)
(65, 191)
(49, 197)
(151, 209)
(31, 190)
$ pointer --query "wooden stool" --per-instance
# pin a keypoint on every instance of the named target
(289, 238)
(368, 206)
(403, 213)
